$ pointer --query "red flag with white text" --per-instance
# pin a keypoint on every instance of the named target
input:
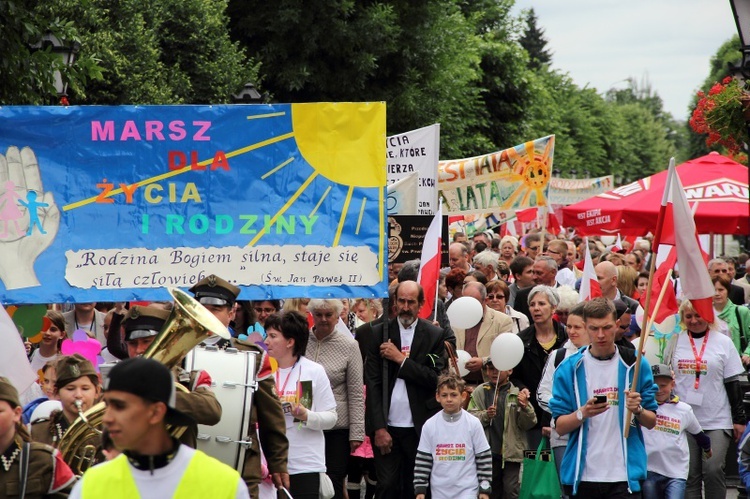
(429, 267)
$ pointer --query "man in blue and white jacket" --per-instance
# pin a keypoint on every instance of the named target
(590, 395)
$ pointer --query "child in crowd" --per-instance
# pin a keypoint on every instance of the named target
(666, 444)
(77, 387)
(453, 456)
(52, 338)
(506, 415)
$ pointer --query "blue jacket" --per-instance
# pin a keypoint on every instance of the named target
(569, 393)
(743, 458)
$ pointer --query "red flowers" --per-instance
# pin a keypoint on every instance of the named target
(720, 116)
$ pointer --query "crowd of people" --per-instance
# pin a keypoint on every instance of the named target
(360, 398)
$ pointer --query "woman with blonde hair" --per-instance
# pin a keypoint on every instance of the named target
(367, 309)
(706, 371)
(626, 278)
(508, 248)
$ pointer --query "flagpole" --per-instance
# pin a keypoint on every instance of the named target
(644, 333)
(437, 293)
(652, 267)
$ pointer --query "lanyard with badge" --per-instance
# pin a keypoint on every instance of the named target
(281, 391)
(698, 358)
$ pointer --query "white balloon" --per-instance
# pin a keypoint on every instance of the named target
(639, 316)
(506, 351)
(465, 312)
(667, 325)
(463, 358)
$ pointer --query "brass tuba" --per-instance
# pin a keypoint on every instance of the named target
(189, 324)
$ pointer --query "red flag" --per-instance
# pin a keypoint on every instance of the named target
(553, 224)
(590, 287)
(429, 267)
(678, 225)
(669, 304)
(617, 247)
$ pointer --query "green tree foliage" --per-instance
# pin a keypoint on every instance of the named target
(422, 57)
(504, 82)
(627, 134)
(28, 74)
(534, 42)
(158, 51)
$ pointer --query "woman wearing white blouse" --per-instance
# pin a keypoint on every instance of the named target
(307, 398)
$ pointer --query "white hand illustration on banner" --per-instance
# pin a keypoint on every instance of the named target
(29, 217)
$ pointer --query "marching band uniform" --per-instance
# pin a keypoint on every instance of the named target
(199, 403)
(266, 413)
(47, 474)
(51, 430)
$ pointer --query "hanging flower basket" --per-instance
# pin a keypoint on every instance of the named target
(723, 115)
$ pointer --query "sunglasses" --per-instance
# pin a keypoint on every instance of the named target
(495, 297)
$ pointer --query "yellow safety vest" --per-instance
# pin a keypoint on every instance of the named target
(203, 477)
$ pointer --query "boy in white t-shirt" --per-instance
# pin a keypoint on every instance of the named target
(453, 456)
(666, 444)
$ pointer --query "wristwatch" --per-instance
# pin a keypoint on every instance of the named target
(484, 487)
(638, 410)
(579, 415)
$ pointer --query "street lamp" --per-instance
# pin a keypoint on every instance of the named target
(741, 11)
(573, 173)
(556, 173)
(66, 52)
(248, 95)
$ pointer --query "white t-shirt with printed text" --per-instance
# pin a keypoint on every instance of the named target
(720, 361)
(453, 446)
(605, 461)
(666, 445)
(306, 446)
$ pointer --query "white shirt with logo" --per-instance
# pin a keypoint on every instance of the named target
(306, 446)
(453, 446)
(720, 361)
(604, 439)
(666, 444)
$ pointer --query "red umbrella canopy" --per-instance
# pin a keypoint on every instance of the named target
(715, 182)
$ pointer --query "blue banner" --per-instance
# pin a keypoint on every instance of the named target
(120, 203)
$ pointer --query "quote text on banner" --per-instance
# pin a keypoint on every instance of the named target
(118, 203)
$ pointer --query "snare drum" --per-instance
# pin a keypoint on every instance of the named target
(233, 382)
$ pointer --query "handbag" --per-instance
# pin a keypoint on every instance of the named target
(326, 487)
(539, 480)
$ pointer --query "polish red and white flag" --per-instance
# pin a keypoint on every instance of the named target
(676, 226)
(429, 267)
(590, 287)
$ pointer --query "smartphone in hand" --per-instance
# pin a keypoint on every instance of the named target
(600, 399)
